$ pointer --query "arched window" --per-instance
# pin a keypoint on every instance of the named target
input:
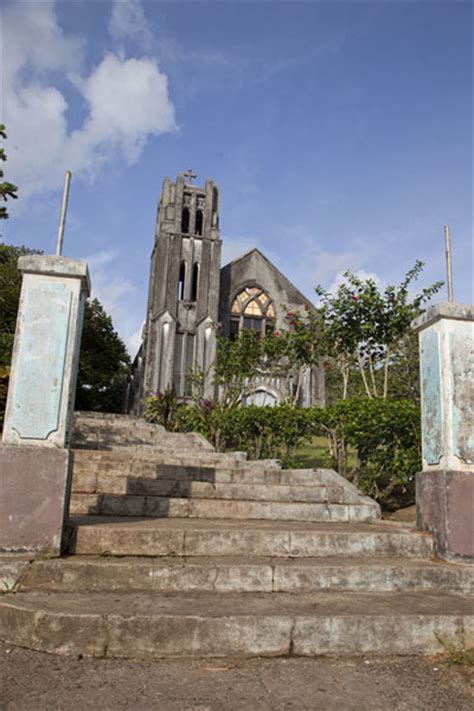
(182, 278)
(252, 309)
(185, 220)
(195, 282)
(199, 222)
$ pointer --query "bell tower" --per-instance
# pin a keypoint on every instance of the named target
(183, 294)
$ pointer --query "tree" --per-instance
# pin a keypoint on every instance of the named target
(103, 361)
(365, 326)
(103, 364)
(10, 286)
(7, 190)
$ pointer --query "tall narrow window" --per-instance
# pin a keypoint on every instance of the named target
(185, 220)
(188, 381)
(182, 278)
(199, 222)
(215, 200)
(177, 364)
(195, 281)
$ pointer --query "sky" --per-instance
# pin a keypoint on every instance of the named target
(339, 133)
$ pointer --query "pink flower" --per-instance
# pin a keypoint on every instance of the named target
(355, 298)
(277, 333)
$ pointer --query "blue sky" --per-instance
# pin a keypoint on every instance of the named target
(340, 133)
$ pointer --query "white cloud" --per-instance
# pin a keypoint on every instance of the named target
(127, 102)
(107, 285)
(118, 296)
(128, 21)
(134, 341)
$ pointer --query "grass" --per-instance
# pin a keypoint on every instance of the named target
(315, 454)
(457, 655)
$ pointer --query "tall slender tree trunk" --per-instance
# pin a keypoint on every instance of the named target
(345, 380)
(364, 379)
(385, 374)
(372, 376)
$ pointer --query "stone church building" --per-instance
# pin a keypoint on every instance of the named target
(190, 293)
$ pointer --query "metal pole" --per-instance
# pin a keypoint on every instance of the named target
(447, 237)
(62, 221)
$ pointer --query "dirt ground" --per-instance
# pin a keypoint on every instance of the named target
(41, 682)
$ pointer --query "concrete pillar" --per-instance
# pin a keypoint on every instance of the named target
(35, 462)
(445, 486)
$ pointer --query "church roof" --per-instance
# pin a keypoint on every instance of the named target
(296, 294)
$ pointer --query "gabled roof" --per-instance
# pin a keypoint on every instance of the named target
(288, 284)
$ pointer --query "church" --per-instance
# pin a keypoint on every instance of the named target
(190, 294)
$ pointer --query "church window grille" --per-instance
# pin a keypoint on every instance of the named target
(181, 282)
(252, 309)
(185, 218)
(195, 282)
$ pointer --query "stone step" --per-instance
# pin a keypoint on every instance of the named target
(172, 507)
(136, 486)
(105, 431)
(247, 574)
(137, 460)
(154, 625)
(92, 471)
(94, 535)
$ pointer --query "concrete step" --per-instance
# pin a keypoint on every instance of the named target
(246, 574)
(92, 469)
(139, 461)
(154, 625)
(107, 431)
(94, 535)
(172, 507)
(180, 488)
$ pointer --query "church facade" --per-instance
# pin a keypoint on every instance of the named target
(190, 293)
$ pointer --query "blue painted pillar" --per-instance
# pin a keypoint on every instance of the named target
(35, 460)
(445, 487)
(45, 357)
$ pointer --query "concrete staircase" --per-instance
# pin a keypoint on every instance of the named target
(176, 550)
(138, 469)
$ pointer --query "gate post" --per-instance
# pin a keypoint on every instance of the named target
(445, 486)
(35, 461)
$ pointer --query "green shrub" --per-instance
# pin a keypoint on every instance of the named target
(385, 435)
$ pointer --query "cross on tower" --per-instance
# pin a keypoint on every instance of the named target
(190, 175)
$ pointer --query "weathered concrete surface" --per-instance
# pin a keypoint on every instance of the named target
(12, 570)
(446, 362)
(245, 574)
(34, 498)
(149, 626)
(174, 507)
(113, 431)
(56, 266)
(282, 684)
(91, 535)
(42, 386)
(153, 480)
(445, 487)
(445, 507)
